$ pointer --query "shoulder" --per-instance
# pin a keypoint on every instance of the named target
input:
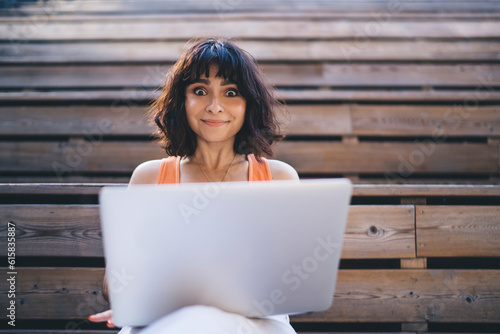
(146, 173)
(281, 170)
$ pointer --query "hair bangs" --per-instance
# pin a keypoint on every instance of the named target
(215, 53)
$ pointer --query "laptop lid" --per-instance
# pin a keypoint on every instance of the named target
(257, 249)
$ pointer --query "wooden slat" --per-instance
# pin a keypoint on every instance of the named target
(75, 120)
(415, 263)
(61, 158)
(365, 190)
(249, 6)
(457, 120)
(12, 17)
(54, 188)
(56, 293)
(161, 51)
(54, 230)
(413, 296)
(318, 120)
(425, 190)
(52, 178)
(379, 232)
(335, 75)
(127, 96)
(360, 295)
(250, 28)
(400, 159)
(124, 120)
(469, 180)
(458, 231)
(343, 119)
(74, 230)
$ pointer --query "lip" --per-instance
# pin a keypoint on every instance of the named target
(210, 122)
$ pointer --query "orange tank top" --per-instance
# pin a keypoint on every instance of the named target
(170, 170)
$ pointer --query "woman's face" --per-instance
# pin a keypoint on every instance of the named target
(215, 109)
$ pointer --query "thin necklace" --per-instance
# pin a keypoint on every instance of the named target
(227, 171)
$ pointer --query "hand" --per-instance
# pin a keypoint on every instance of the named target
(103, 316)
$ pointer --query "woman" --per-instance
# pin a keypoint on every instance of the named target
(216, 120)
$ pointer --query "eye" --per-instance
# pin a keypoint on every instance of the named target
(199, 91)
(232, 92)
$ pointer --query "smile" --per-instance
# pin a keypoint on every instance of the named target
(214, 123)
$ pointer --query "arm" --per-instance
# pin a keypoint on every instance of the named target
(145, 173)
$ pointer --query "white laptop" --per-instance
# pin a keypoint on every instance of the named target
(253, 248)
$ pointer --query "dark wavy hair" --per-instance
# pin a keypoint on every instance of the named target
(260, 128)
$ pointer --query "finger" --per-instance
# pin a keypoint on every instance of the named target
(110, 323)
(101, 317)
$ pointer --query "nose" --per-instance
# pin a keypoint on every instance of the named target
(214, 106)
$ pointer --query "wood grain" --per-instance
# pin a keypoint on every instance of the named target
(360, 295)
(138, 27)
(415, 263)
(379, 232)
(413, 296)
(131, 97)
(285, 75)
(263, 51)
(57, 293)
(404, 120)
(76, 120)
(310, 7)
(132, 120)
(54, 230)
(445, 231)
(365, 190)
(400, 158)
(309, 120)
(74, 230)
(404, 159)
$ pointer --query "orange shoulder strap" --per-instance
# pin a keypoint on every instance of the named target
(169, 170)
(258, 171)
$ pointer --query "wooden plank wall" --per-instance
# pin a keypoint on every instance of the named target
(380, 91)
(400, 96)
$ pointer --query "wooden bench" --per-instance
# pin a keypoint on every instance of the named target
(401, 97)
(415, 107)
(393, 271)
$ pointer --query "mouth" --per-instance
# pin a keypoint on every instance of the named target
(214, 122)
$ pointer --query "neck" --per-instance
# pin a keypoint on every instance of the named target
(214, 157)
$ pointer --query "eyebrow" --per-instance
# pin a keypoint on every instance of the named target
(224, 83)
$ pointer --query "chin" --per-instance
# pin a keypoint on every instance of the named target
(217, 139)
